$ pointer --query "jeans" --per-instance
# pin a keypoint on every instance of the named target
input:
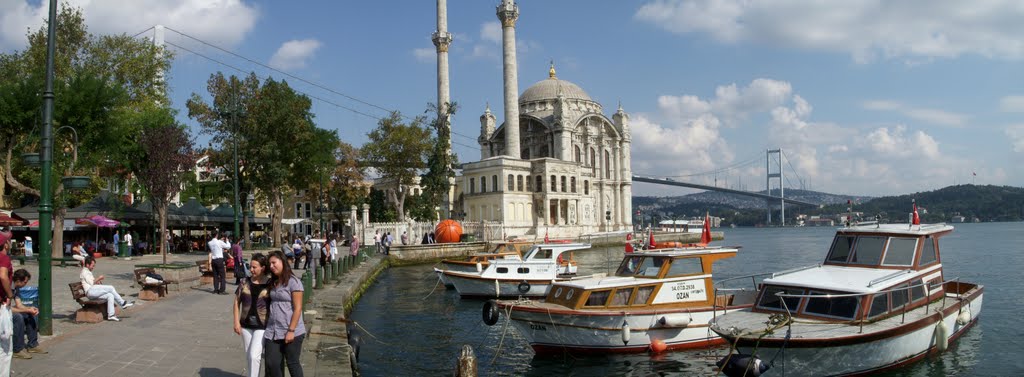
(276, 350)
(252, 343)
(218, 275)
(25, 324)
(106, 293)
(298, 261)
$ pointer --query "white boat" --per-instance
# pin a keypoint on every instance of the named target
(656, 296)
(477, 262)
(880, 300)
(532, 275)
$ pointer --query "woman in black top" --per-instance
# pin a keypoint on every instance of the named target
(251, 311)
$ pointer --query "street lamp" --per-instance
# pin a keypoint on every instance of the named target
(45, 195)
(247, 215)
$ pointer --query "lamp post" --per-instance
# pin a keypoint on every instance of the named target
(320, 204)
(234, 142)
(45, 194)
(247, 215)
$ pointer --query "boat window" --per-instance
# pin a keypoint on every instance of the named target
(917, 292)
(628, 266)
(685, 266)
(928, 252)
(770, 301)
(650, 267)
(840, 249)
(598, 298)
(868, 250)
(568, 296)
(523, 270)
(502, 270)
(621, 297)
(642, 294)
(558, 292)
(539, 253)
(899, 296)
(841, 307)
(901, 252)
(879, 305)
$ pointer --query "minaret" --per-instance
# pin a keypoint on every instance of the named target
(508, 13)
(442, 38)
(486, 130)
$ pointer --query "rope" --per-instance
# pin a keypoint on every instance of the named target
(508, 319)
(370, 334)
(432, 290)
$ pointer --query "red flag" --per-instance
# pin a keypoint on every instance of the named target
(651, 244)
(705, 236)
(917, 219)
(546, 240)
(629, 242)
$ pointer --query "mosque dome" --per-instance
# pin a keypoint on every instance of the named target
(551, 88)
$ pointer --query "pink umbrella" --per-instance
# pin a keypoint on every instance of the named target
(98, 221)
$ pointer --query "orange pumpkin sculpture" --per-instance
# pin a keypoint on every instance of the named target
(448, 231)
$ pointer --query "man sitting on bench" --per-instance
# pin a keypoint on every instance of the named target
(101, 292)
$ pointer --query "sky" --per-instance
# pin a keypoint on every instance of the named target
(862, 97)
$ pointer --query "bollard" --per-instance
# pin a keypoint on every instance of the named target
(465, 366)
(337, 269)
(319, 279)
(329, 275)
(307, 286)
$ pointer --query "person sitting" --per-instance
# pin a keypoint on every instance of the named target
(107, 293)
(25, 317)
(79, 253)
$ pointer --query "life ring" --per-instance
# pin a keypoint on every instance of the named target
(490, 313)
(524, 287)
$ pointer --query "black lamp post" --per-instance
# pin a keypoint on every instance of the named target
(45, 195)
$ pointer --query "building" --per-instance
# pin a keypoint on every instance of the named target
(556, 165)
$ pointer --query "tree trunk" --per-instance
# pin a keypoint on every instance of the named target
(278, 208)
(162, 213)
(398, 200)
(57, 250)
(245, 230)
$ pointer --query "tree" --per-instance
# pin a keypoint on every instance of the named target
(437, 181)
(162, 161)
(397, 151)
(346, 187)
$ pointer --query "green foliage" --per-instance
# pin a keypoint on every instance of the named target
(398, 152)
(379, 210)
(346, 187)
(440, 171)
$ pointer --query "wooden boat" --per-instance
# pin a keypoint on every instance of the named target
(512, 277)
(477, 263)
(656, 296)
(880, 300)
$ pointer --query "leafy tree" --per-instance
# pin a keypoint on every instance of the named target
(438, 179)
(346, 187)
(380, 212)
(397, 151)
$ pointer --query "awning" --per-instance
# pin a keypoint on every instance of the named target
(292, 221)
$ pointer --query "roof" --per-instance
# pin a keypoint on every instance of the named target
(550, 89)
(685, 251)
(904, 229)
(836, 278)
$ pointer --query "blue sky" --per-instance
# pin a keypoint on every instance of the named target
(867, 98)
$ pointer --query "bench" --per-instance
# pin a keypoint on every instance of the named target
(63, 261)
(92, 311)
(149, 291)
(207, 273)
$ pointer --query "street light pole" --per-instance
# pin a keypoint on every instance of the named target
(45, 192)
(234, 142)
(320, 205)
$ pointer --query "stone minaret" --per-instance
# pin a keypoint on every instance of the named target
(508, 13)
(442, 38)
(486, 130)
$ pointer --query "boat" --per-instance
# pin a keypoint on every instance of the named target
(531, 275)
(477, 262)
(880, 300)
(658, 299)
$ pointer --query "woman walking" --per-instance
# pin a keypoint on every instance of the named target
(283, 339)
(252, 309)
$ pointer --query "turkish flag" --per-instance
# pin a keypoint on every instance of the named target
(917, 219)
(629, 242)
(705, 236)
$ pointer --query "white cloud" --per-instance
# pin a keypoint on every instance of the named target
(223, 22)
(914, 30)
(489, 43)
(1012, 104)
(1016, 135)
(424, 55)
(931, 116)
(294, 54)
(491, 32)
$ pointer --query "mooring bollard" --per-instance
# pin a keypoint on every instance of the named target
(337, 268)
(319, 279)
(307, 286)
(465, 366)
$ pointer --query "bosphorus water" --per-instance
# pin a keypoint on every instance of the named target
(417, 328)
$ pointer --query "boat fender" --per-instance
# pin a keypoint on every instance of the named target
(524, 287)
(666, 321)
(941, 336)
(625, 332)
(497, 288)
(742, 365)
(490, 313)
(479, 267)
(964, 318)
(658, 346)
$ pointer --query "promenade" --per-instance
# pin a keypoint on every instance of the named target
(188, 333)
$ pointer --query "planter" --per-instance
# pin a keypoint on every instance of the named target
(75, 182)
(180, 276)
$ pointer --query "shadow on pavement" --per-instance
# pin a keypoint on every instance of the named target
(216, 372)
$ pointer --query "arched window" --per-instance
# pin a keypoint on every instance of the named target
(572, 184)
(519, 183)
(586, 187)
(563, 183)
(607, 165)
(576, 149)
(554, 184)
(483, 184)
(511, 183)
(494, 182)
(472, 185)
(540, 183)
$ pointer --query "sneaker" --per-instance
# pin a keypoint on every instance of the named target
(37, 350)
(127, 304)
(23, 354)
(114, 318)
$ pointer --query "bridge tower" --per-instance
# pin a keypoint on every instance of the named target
(777, 174)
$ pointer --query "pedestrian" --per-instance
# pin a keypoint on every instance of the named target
(353, 246)
(128, 242)
(236, 253)
(307, 249)
(216, 262)
(117, 242)
(28, 246)
(6, 293)
(334, 247)
(282, 341)
(376, 241)
(95, 291)
(405, 238)
(425, 240)
(297, 252)
(252, 310)
(25, 317)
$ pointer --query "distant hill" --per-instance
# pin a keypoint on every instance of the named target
(986, 203)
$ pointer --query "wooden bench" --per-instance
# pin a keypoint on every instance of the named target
(64, 262)
(92, 311)
(207, 273)
(149, 291)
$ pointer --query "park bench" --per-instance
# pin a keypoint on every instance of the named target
(92, 311)
(64, 262)
(149, 291)
(207, 273)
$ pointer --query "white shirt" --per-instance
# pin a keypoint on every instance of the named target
(334, 249)
(87, 279)
(128, 239)
(216, 247)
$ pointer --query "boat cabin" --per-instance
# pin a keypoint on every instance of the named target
(870, 273)
(662, 278)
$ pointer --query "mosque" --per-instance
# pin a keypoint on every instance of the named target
(556, 166)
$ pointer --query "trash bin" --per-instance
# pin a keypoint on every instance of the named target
(468, 237)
